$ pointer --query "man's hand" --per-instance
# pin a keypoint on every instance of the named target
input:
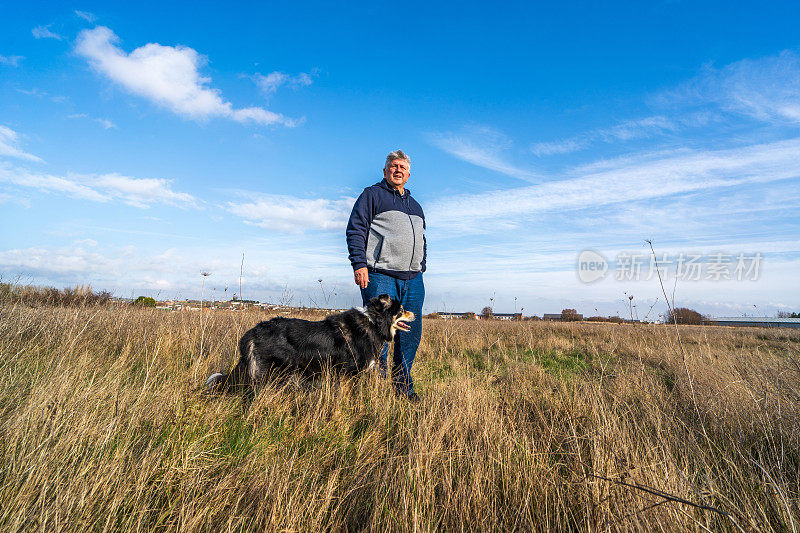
(362, 277)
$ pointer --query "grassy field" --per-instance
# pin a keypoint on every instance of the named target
(522, 426)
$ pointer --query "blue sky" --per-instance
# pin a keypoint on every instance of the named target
(141, 144)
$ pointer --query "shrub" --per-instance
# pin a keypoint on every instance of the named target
(683, 315)
(145, 301)
(569, 315)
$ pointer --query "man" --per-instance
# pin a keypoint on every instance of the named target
(386, 241)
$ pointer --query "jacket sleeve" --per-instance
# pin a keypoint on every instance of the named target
(358, 229)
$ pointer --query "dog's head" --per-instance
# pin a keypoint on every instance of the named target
(390, 315)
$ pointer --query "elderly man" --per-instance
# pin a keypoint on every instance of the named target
(386, 241)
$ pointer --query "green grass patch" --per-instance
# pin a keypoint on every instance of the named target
(236, 438)
(560, 362)
(438, 370)
(571, 362)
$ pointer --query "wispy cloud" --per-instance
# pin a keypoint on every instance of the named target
(43, 32)
(6, 198)
(294, 215)
(107, 124)
(484, 147)
(69, 261)
(85, 15)
(564, 146)
(628, 130)
(682, 173)
(49, 183)
(38, 93)
(274, 80)
(167, 75)
(9, 146)
(766, 89)
(11, 61)
(633, 129)
(137, 192)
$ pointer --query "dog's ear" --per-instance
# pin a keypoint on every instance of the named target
(385, 299)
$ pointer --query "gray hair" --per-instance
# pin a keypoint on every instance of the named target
(397, 154)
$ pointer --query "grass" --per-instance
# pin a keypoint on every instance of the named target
(523, 426)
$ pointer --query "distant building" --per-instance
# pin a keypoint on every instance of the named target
(559, 316)
(507, 316)
(466, 316)
(755, 321)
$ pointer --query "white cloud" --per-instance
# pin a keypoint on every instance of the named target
(56, 263)
(483, 147)
(49, 183)
(681, 173)
(85, 15)
(766, 89)
(270, 264)
(9, 146)
(294, 215)
(633, 129)
(137, 192)
(6, 198)
(107, 124)
(272, 81)
(167, 75)
(38, 93)
(564, 146)
(11, 61)
(43, 32)
(624, 131)
(141, 192)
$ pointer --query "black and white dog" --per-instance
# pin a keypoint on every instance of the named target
(349, 342)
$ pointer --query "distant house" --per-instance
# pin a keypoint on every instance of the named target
(755, 321)
(507, 316)
(560, 316)
(466, 316)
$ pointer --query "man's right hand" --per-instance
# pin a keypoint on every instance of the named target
(362, 277)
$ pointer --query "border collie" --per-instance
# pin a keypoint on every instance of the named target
(348, 342)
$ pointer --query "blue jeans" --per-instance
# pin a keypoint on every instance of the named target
(410, 293)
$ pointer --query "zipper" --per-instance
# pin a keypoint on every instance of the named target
(414, 247)
(403, 200)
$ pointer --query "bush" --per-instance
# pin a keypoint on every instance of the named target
(683, 315)
(145, 301)
(569, 315)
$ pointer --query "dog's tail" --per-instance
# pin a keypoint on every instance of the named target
(224, 383)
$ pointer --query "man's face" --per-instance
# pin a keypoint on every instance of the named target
(397, 172)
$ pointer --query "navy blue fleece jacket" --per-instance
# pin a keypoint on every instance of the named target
(386, 232)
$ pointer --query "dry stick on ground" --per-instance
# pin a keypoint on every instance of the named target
(671, 498)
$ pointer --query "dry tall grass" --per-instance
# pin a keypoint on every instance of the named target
(523, 426)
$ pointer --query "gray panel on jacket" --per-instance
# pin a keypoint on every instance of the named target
(396, 242)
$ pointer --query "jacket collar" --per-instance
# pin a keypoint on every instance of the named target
(385, 185)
